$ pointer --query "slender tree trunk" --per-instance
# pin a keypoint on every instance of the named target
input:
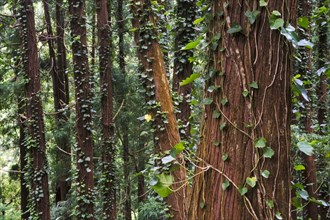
(84, 148)
(125, 126)
(152, 61)
(185, 33)
(108, 151)
(248, 120)
(35, 136)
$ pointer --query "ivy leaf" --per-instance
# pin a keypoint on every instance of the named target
(265, 173)
(245, 93)
(207, 101)
(224, 101)
(305, 43)
(268, 152)
(278, 215)
(270, 203)
(254, 85)
(192, 45)
(242, 190)
(260, 143)
(234, 28)
(148, 117)
(223, 125)
(163, 185)
(224, 157)
(198, 20)
(251, 181)
(263, 3)
(303, 22)
(190, 79)
(299, 167)
(303, 194)
(306, 148)
(216, 114)
(178, 148)
(279, 22)
(252, 15)
(225, 185)
(167, 159)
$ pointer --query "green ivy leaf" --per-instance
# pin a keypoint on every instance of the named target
(251, 181)
(223, 125)
(279, 22)
(163, 185)
(192, 45)
(305, 147)
(270, 203)
(263, 3)
(268, 152)
(234, 28)
(216, 114)
(299, 167)
(260, 143)
(242, 190)
(190, 79)
(178, 148)
(278, 215)
(305, 43)
(198, 20)
(245, 93)
(224, 101)
(303, 22)
(265, 173)
(252, 15)
(254, 85)
(303, 194)
(224, 157)
(225, 185)
(207, 101)
(167, 159)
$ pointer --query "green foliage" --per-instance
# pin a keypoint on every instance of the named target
(154, 209)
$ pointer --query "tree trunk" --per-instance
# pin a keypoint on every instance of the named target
(248, 119)
(84, 148)
(127, 206)
(35, 136)
(152, 61)
(108, 151)
(186, 11)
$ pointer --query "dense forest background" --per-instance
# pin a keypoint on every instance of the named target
(187, 109)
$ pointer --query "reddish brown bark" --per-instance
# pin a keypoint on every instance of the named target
(233, 122)
(182, 66)
(108, 151)
(84, 147)
(152, 61)
(35, 136)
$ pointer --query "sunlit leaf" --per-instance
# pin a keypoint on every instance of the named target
(225, 185)
(251, 181)
(268, 152)
(190, 79)
(260, 143)
(303, 22)
(299, 167)
(305, 147)
(265, 173)
(192, 44)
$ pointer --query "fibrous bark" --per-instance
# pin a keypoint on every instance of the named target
(84, 147)
(152, 62)
(108, 151)
(35, 135)
(251, 70)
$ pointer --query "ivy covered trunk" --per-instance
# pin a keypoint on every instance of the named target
(84, 146)
(35, 136)
(108, 151)
(61, 102)
(244, 155)
(158, 91)
(185, 33)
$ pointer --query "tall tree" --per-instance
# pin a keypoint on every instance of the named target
(84, 147)
(245, 140)
(152, 62)
(125, 124)
(35, 136)
(108, 150)
(185, 33)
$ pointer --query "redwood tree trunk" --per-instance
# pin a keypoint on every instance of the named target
(186, 11)
(35, 136)
(108, 151)
(84, 147)
(252, 69)
(152, 61)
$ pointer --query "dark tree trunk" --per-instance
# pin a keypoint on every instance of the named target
(108, 151)
(35, 136)
(84, 148)
(186, 11)
(125, 126)
(152, 63)
(253, 69)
